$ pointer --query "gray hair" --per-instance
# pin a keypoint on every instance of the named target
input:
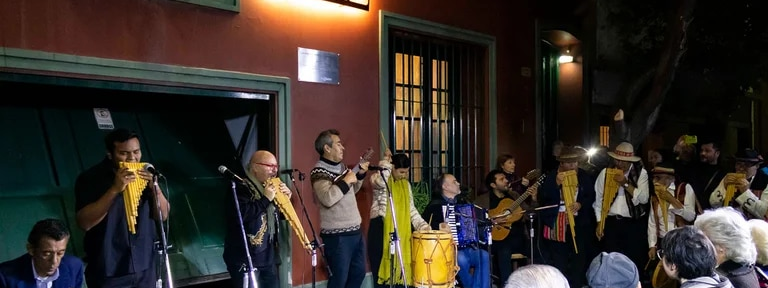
(760, 235)
(728, 229)
(537, 276)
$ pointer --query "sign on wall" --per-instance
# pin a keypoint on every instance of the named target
(318, 66)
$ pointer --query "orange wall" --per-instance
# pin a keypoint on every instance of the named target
(263, 39)
(571, 117)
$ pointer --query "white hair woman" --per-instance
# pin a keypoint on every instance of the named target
(760, 236)
(537, 276)
(734, 248)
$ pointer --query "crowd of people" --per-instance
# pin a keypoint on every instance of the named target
(618, 224)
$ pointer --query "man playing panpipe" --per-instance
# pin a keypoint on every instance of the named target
(566, 241)
(621, 198)
(117, 257)
(259, 222)
(734, 190)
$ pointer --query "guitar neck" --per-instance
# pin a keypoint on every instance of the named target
(524, 196)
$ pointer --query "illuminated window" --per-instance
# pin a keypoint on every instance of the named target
(604, 135)
(437, 107)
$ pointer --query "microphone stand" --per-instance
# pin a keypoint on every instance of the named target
(531, 233)
(163, 237)
(394, 240)
(315, 244)
(249, 277)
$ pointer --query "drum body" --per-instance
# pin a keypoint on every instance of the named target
(434, 259)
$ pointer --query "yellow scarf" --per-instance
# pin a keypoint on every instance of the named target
(402, 200)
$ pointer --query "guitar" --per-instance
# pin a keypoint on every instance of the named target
(509, 211)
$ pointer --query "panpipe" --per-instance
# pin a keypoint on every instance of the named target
(610, 189)
(730, 188)
(132, 193)
(663, 204)
(283, 203)
(569, 185)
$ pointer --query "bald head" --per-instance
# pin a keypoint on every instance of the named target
(263, 165)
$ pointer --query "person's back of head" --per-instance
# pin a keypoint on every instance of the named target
(612, 270)
(689, 252)
(537, 276)
(759, 230)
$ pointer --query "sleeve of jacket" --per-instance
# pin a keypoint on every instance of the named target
(641, 194)
(718, 195)
(549, 194)
(434, 214)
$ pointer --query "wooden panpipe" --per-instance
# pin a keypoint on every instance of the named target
(659, 189)
(730, 187)
(132, 194)
(283, 203)
(610, 189)
(570, 185)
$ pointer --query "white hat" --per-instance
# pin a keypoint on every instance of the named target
(624, 152)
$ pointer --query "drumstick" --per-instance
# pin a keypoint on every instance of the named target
(383, 140)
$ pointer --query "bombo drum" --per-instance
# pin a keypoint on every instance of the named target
(434, 259)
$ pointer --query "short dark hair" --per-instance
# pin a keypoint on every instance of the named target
(491, 178)
(691, 251)
(400, 160)
(119, 135)
(503, 158)
(324, 138)
(51, 228)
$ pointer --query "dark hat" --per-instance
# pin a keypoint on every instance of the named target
(748, 155)
(570, 154)
(665, 167)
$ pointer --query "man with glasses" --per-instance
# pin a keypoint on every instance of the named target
(672, 205)
(750, 198)
(259, 220)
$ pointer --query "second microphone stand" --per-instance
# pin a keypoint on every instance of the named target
(315, 244)
(163, 237)
(249, 277)
(394, 240)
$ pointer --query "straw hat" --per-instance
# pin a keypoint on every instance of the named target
(570, 154)
(664, 168)
(624, 152)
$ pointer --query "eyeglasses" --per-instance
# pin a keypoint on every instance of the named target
(273, 166)
(660, 253)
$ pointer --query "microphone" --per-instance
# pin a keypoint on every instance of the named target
(288, 171)
(377, 168)
(224, 170)
(151, 169)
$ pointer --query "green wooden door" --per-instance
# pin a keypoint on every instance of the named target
(46, 143)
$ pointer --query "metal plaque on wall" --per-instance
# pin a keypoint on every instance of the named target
(318, 66)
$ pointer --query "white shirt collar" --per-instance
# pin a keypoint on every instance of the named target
(43, 281)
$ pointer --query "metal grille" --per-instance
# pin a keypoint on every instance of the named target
(437, 96)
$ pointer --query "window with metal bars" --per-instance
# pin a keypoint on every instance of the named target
(437, 97)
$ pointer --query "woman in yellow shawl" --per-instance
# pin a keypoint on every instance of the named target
(396, 178)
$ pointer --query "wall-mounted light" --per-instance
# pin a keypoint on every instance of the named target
(359, 4)
(566, 57)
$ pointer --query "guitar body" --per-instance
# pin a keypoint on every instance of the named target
(501, 229)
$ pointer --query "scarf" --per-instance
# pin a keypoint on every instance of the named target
(402, 200)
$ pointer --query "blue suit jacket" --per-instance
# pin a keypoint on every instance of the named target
(17, 273)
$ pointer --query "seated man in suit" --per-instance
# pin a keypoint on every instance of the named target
(45, 264)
